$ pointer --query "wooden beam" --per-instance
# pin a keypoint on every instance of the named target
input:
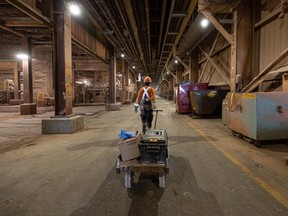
(233, 64)
(191, 8)
(31, 12)
(222, 73)
(10, 30)
(86, 49)
(282, 58)
(267, 19)
(227, 45)
(173, 75)
(218, 26)
(183, 63)
(210, 53)
(21, 23)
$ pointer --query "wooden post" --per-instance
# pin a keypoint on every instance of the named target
(219, 70)
(63, 60)
(232, 39)
(193, 63)
(245, 31)
(112, 78)
(233, 71)
(123, 82)
(179, 72)
(127, 82)
(27, 71)
(210, 53)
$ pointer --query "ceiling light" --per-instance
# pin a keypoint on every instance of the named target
(22, 56)
(204, 23)
(133, 67)
(122, 55)
(74, 9)
(176, 62)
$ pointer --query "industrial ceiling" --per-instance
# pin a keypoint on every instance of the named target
(148, 32)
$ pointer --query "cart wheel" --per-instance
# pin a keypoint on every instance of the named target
(167, 166)
(237, 134)
(128, 180)
(258, 144)
(118, 165)
(118, 170)
(162, 180)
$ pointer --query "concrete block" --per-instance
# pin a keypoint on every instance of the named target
(128, 101)
(113, 106)
(63, 125)
(28, 109)
(16, 101)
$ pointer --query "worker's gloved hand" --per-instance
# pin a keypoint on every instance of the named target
(136, 108)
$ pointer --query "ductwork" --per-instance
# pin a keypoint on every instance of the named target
(130, 14)
(148, 30)
(117, 34)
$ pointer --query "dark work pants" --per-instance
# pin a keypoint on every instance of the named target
(146, 116)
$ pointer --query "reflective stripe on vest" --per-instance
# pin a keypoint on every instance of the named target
(145, 93)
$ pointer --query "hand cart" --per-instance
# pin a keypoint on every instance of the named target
(135, 166)
(156, 166)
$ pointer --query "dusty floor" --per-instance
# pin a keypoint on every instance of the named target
(211, 171)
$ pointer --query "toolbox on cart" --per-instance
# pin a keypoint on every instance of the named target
(154, 147)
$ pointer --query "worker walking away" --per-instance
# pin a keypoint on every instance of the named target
(146, 98)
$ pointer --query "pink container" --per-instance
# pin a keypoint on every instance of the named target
(200, 86)
(183, 103)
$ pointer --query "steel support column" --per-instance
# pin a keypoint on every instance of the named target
(112, 78)
(127, 82)
(193, 64)
(63, 60)
(27, 70)
(179, 72)
(123, 82)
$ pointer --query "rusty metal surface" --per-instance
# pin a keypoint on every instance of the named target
(260, 116)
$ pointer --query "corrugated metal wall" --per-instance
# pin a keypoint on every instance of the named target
(273, 40)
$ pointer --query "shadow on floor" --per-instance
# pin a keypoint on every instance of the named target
(182, 195)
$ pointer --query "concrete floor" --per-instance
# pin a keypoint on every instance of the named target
(211, 171)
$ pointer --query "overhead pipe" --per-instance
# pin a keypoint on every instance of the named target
(185, 22)
(100, 24)
(164, 5)
(142, 22)
(148, 29)
(128, 31)
(131, 17)
(115, 29)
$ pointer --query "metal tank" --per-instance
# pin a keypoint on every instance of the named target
(259, 116)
